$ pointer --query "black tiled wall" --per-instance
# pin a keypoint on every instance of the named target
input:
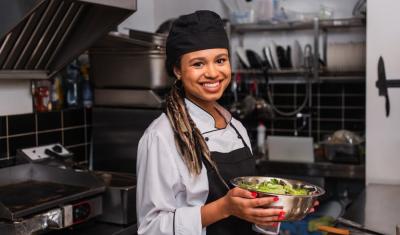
(71, 128)
(335, 105)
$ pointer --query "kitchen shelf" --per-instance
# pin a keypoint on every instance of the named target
(282, 72)
(300, 25)
(310, 77)
(299, 76)
(24, 74)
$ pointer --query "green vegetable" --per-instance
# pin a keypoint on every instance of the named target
(275, 186)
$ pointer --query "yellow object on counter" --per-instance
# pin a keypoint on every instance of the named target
(333, 230)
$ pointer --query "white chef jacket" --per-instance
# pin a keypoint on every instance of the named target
(168, 197)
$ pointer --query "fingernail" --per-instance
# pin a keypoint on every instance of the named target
(276, 199)
(282, 213)
(274, 224)
(254, 194)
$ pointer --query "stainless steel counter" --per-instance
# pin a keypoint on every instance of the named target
(320, 169)
(377, 208)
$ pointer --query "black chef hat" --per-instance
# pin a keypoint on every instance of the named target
(197, 31)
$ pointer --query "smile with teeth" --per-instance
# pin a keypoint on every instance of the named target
(211, 85)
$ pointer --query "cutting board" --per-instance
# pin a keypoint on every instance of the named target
(290, 149)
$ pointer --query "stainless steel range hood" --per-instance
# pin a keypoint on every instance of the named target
(39, 37)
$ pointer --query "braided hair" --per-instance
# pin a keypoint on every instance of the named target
(188, 138)
(193, 32)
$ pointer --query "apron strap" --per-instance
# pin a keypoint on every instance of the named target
(209, 166)
(241, 138)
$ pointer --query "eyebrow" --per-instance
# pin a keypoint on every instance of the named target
(204, 58)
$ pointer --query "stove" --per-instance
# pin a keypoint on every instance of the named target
(42, 192)
(35, 197)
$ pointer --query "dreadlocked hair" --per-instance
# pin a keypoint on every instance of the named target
(188, 139)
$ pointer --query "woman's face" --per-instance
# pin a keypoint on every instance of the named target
(205, 74)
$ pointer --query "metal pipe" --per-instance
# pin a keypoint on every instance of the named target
(325, 45)
(316, 49)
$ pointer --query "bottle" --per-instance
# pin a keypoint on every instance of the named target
(41, 96)
(261, 138)
(87, 93)
(73, 75)
(57, 94)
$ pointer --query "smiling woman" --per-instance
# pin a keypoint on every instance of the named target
(205, 75)
(188, 154)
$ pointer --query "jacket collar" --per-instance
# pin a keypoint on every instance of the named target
(203, 120)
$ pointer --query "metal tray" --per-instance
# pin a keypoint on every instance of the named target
(118, 61)
(30, 188)
(119, 200)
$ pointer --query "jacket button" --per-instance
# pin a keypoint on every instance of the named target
(206, 138)
(239, 137)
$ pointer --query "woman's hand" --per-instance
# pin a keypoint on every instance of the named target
(244, 204)
(315, 204)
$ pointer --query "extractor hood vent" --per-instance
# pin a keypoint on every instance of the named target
(47, 34)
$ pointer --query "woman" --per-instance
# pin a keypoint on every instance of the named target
(187, 156)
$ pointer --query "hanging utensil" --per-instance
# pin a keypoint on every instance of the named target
(383, 84)
(262, 109)
(249, 102)
(308, 57)
(235, 108)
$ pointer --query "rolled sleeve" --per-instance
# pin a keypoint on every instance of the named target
(188, 220)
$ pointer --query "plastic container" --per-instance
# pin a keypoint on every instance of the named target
(41, 96)
(73, 85)
(261, 138)
(87, 92)
(57, 94)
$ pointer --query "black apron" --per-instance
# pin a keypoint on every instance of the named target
(239, 162)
